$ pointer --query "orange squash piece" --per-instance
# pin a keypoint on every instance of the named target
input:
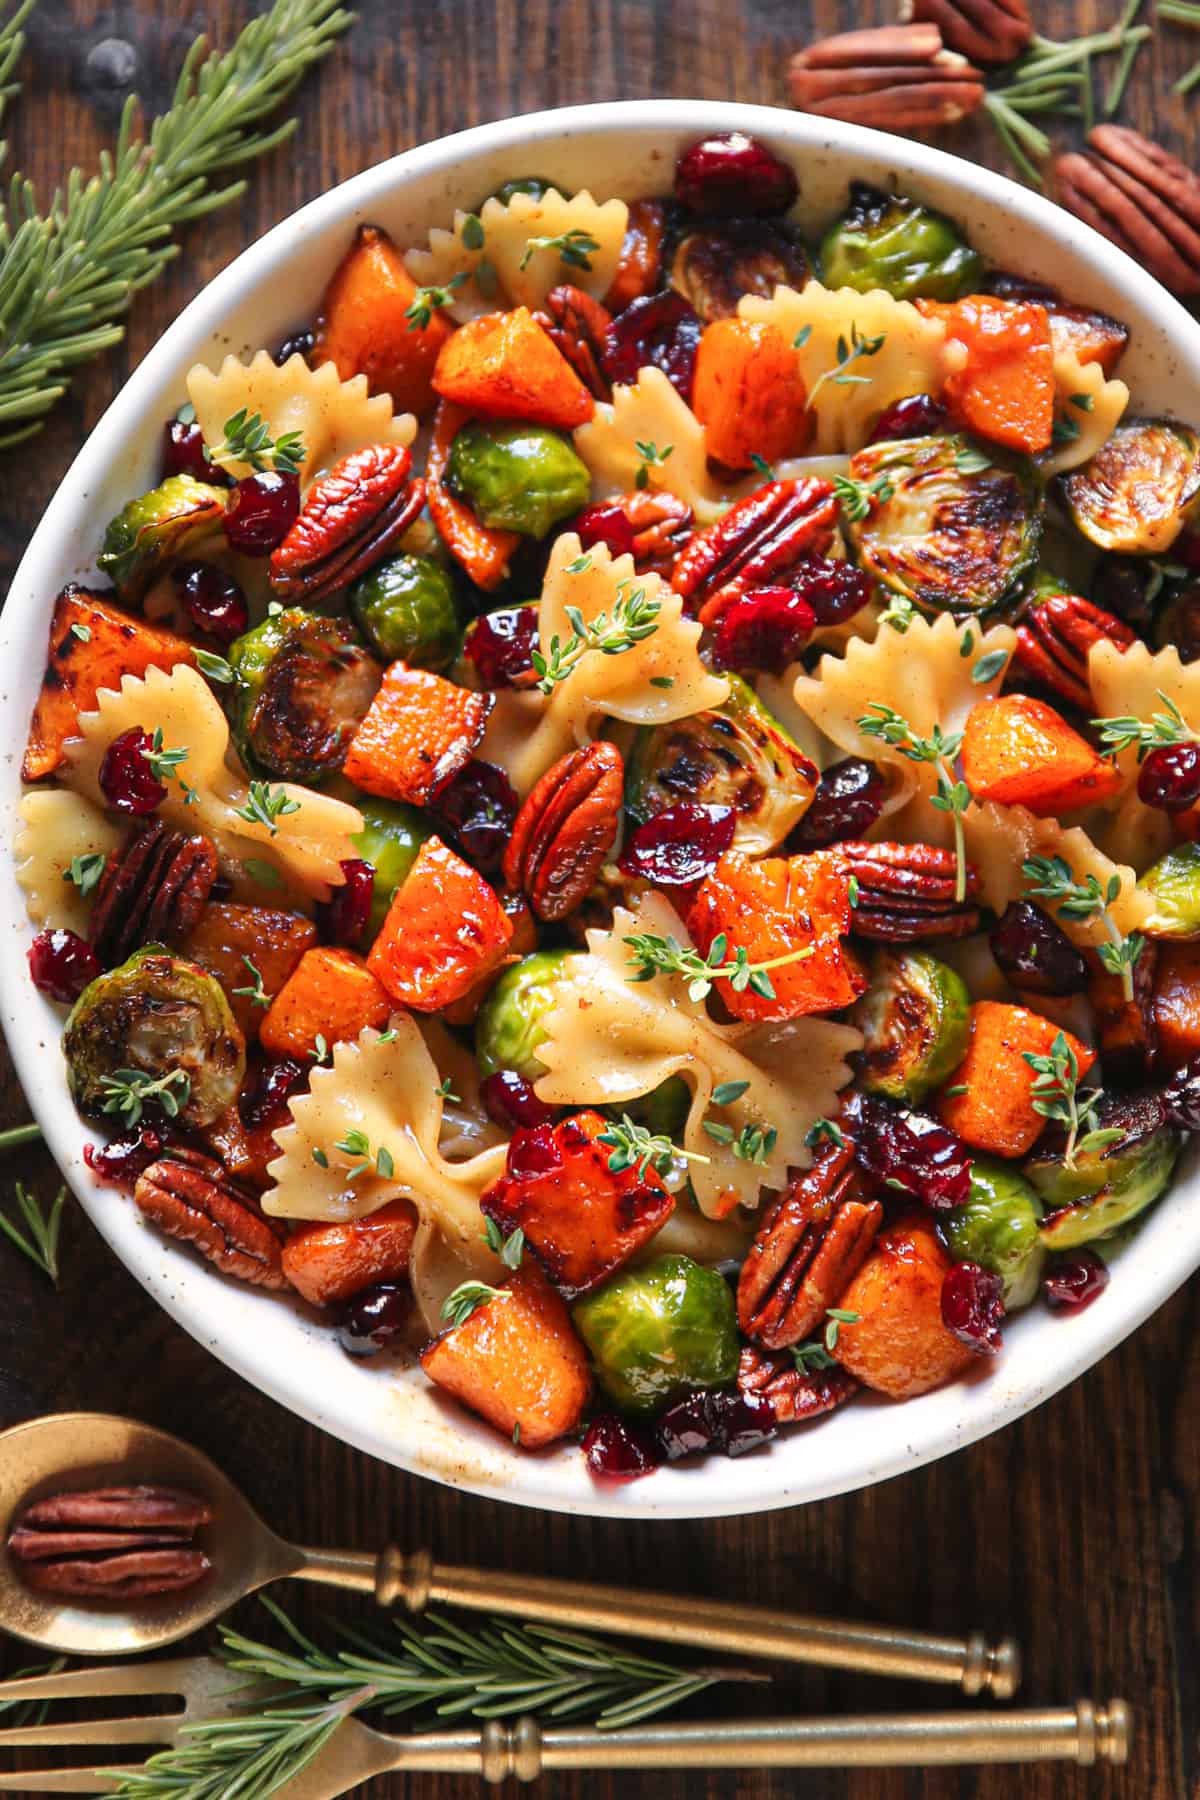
(330, 994)
(1005, 390)
(1020, 752)
(364, 328)
(331, 1263)
(274, 941)
(898, 1344)
(1088, 336)
(996, 1113)
(517, 1362)
(771, 908)
(748, 394)
(444, 931)
(504, 366)
(1176, 1003)
(483, 550)
(418, 731)
(92, 645)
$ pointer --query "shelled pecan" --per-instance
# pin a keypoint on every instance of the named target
(640, 263)
(1139, 197)
(796, 1394)
(565, 829)
(906, 892)
(578, 325)
(648, 524)
(117, 1543)
(895, 77)
(984, 31)
(755, 544)
(190, 1196)
(808, 1248)
(153, 890)
(350, 516)
(1054, 641)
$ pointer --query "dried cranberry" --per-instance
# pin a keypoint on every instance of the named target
(848, 800)
(911, 1152)
(1179, 623)
(347, 913)
(835, 589)
(618, 1451)
(1170, 777)
(266, 1102)
(127, 779)
(299, 344)
(747, 1420)
(62, 964)
(477, 808)
(764, 629)
(918, 416)
(687, 1427)
(680, 845)
(1181, 1097)
(183, 454)
(1032, 951)
(533, 1153)
(661, 330)
(501, 645)
(120, 1162)
(732, 174)
(374, 1319)
(1073, 1282)
(213, 600)
(731, 1423)
(608, 525)
(511, 1103)
(973, 1307)
(262, 511)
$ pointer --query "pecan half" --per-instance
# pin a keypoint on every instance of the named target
(796, 1394)
(565, 830)
(578, 325)
(153, 890)
(755, 544)
(640, 264)
(896, 77)
(984, 31)
(906, 892)
(190, 1196)
(121, 1543)
(808, 1248)
(1141, 198)
(1055, 638)
(661, 527)
(350, 516)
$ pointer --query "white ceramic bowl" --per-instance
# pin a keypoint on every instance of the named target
(623, 149)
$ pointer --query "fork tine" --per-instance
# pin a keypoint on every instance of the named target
(168, 1677)
(58, 1781)
(148, 1730)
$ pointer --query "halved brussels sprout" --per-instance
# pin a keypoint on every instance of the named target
(154, 1015)
(509, 1026)
(302, 687)
(533, 185)
(714, 266)
(1102, 1190)
(914, 1021)
(1174, 880)
(950, 526)
(517, 477)
(659, 1331)
(155, 527)
(998, 1228)
(889, 241)
(739, 756)
(1136, 493)
(391, 836)
(405, 609)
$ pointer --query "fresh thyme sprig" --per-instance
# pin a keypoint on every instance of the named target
(257, 995)
(650, 457)
(266, 806)
(428, 300)
(848, 353)
(752, 1144)
(856, 498)
(815, 1355)
(248, 440)
(163, 761)
(37, 1234)
(1055, 1095)
(649, 953)
(510, 1249)
(634, 617)
(1158, 731)
(939, 749)
(1054, 880)
(356, 1143)
(85, 871)
(575, 248)
(466, 1299)
(635, 1144)
(129, 1090)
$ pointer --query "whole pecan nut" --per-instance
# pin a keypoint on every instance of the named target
(1054, 641)
(119, 1543)
(565, 830)
(796, 1394)
(896, 77)
(153, 890)
(578, 325)
(1141, 198)
(350, 517)
(756, 543)
(906, 892)
(190, 1196)
(984, 31)
(808, 1249)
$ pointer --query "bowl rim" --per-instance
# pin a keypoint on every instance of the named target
(777, 1477)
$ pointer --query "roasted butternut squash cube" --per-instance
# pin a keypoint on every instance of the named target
(996, 1113)
(504, 366)
(1176, 1003)
(330, 994)
(364, 326)
(1004, 390)
(418, 731)
(1020, 752)
(331, 1263)
(228, 936)
(898, 1344)
(748, 394)
(444, 931)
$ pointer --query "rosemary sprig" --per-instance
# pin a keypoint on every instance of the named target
(1055, 1095)
(635, 1144)
(1159, 730)
(12, 42)
(634, 617)
(129, 1090)
(1054, 880)
(649, 954)
(1182, 12)
(37, 1234)
(255, 1755)
(248, 440)
(848, 353)
(939, 749)
(575, 248)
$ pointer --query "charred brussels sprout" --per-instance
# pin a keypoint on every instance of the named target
(153, 1016)
(301, 688)
(390, 838)
(888, 241)
(714, 266)
(1102, 1190)
(533, 185)
(1174, 880)
(660, 1331)
(999, 1229)
(155, 527)
(1137, 492)
(914, 1021)
(405, 609)
(943, 523)
(739, 756)
(509, 1027)
(517, 477)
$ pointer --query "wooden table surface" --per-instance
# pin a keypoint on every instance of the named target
(1076, 1529)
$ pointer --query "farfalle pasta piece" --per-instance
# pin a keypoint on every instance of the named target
(1093, 405)
(1139, 683)
(502, 264)
(533, 733)
(305, 850)
(610, 1039)
(1001, 838)
(332, 417)
(56, 827)
(651, 411)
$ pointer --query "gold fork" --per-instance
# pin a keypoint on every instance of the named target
(1083, 1733)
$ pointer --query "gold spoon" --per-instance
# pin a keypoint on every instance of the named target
(82, 1450)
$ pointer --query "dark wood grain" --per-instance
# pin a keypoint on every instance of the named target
(1076, 1528)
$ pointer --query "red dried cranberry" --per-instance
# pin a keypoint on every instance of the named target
(848, 800)
(747, 1420)
(1034, 953)
(127, 779)
(764, 629)
(1181, 1097)
(266, 1103)
(973, 1307)
(618, 1451)
(120, 1162)
(733, 174)
(213, 600)
(731, 1423)
(688, 1427)
(510, 1102)
(62, 964)
(372, 1320)
(835, 589)
(262, 511)
(608, 525)
(477, 808)
(501, 645)
(918, 416)
(299, 344)
(661, 330)
(680, 845)
(1073, 1282)
(183, 454)
(533, 1153)
(1170, 777)
(910, 1152)
(347, 913)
